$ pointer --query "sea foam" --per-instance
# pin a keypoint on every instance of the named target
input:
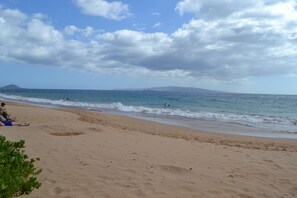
(275, 123)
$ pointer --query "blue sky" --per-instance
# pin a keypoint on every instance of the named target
(238, 46)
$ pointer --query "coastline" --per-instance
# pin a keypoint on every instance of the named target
(216, 127)
(209, 126)
(228, 113)
(91, 154)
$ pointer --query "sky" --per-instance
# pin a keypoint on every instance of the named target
(245, 46)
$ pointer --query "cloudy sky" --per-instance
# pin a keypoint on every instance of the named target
(245, 46)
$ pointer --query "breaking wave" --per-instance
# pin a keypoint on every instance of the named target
(275, 123)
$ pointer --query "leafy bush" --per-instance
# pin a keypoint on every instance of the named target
(17, 171)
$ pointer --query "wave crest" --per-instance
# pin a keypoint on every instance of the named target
(258, 121)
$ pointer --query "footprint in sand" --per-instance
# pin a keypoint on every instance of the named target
(56, 191)
(174, 169)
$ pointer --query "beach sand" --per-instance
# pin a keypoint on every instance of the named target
(88, 154)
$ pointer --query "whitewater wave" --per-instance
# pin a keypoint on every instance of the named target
(258, 121)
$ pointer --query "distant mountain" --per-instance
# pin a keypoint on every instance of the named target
(179, 89)
(11, 87)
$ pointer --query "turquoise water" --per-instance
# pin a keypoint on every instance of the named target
(269, 112)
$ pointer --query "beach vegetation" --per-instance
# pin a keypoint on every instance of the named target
(17, 171)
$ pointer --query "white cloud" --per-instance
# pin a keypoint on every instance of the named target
(13, 16)
(188, 6)
(72, 30)
(239, 39)
(212, 9)
(111, 10)
(248, 40)
(139, 27)
(157, 25)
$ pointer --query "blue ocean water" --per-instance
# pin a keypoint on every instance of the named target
(270, 112)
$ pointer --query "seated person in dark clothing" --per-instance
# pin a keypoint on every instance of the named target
(5, 120)
(4, 113)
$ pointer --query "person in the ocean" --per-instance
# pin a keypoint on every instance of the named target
(166, 105)
(66, 99)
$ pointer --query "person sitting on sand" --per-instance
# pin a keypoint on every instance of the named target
(5, 120)
(1, 111)
(10, 123)
(1, 107)
(4, 113)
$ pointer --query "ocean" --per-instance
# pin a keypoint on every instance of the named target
(243, 114)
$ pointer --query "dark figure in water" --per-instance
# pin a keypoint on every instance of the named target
(166, 105)
(66, 99)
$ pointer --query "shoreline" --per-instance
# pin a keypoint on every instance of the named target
(91, 154)
(209, 126)
(211, 110)
(216, 127)
(184, 132)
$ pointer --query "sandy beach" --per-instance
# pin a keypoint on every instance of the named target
(88, 154)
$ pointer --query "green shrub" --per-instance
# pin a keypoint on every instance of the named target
(17, 171)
